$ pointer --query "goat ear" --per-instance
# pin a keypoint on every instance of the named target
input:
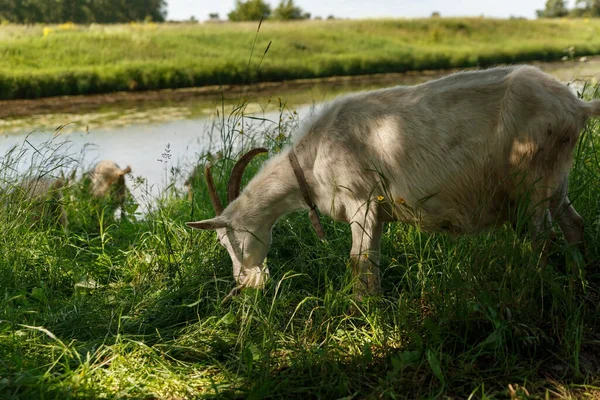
(209, 224)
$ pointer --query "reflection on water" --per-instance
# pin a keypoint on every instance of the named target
(153, 149)
(154, 137)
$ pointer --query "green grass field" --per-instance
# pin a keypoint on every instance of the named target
(134, 309)
(39, 61)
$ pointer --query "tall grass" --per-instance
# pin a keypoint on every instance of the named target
(39, 61)
(134, 308)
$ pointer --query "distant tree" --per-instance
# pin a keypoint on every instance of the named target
(436, 14)
(250, 10)
(554, 9)
(288, 10)
(82, 11)
(330, 17)
(586, 8)
(213, 16)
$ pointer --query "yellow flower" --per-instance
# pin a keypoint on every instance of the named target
(47, 31)
(400, 200)
(66, 26)
(380, 198)
(394, 260)
(587, 20)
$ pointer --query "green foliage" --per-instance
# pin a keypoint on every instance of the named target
(587, 8)
(288, 10)
(559, 9)
(249, 10)
(134, 308)
(38, 61)
(82, 11)
(554, 9)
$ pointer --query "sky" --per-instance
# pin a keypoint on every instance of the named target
(184, 9)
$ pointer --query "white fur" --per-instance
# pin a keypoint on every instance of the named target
(457, 155)
(108, 179)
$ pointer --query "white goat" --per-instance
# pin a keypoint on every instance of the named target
(106, 181)
(457, 155)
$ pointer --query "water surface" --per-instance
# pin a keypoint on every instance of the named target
(154, 137)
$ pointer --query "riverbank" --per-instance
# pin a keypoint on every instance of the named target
(296, 89)
(78, 104)
(42, 61)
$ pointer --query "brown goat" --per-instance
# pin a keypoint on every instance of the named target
(106, 182)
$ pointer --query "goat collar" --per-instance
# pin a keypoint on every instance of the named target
(312, 214)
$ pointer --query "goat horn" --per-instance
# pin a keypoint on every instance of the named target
(235, 181)
(212, 191)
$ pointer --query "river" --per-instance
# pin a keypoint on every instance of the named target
(163, 138)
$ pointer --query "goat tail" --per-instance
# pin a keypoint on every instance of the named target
(593, 108)
(126, 170)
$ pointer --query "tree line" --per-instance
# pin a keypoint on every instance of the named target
(254, 10)
(82, 11)
(559, 9)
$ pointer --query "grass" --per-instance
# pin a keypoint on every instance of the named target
(40, 61)
(134, 308)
